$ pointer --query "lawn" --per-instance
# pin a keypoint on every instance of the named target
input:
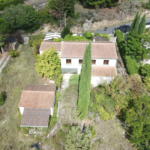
(19, 72)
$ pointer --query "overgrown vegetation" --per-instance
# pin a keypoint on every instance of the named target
(13, 53)
(66, 31)
(7, 3)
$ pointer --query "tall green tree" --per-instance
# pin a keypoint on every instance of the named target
(134, 22)
(142, 25)
(85, 84)
(136, 27)
(65, 31)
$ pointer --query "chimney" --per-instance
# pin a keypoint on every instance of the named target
(94, 39)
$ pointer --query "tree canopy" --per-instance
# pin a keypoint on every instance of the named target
(48, 64)
(21, 17)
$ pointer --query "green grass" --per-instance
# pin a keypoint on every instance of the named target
(19, 72)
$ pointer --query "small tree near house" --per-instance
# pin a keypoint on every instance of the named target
(48, 64)
(85, 84)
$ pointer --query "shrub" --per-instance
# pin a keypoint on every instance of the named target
(93, 132)
(2, 99)
(145, 70)
(7, 3)
(146, 81)
(13, 53)
(104, 35)
(131, 65)
(74, 79)
(88, 35)
(65, 31)
(102, 104)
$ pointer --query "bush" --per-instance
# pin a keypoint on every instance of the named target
(102, 104)
(146, 81)
(131, 65)
(145, 70)
(72, 38)
(13, 53)
(65, 31)
(146, 5)
(74, 79)
(105, 35)
(7, 3)
(2, 99)
(88, 35)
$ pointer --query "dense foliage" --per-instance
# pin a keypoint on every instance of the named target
(76, 139)
(85, 83)
(131, 69)
(102, 104)
(74, 79)
(21, 17)
(138, 26)
(102, 3)
(88, 35)
(58, 7)
(66, 31)
(146, 5)
(7, 3)
(138, 121)
(48, 64)
(145, 70)
(71, 38)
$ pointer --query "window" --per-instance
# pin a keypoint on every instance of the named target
(106, 62)
(68, 61)
(80, 61)
(93, 61)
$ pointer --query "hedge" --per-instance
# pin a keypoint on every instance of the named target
(74, 79)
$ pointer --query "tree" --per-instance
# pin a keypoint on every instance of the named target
(48, 64)
(131, 69)
(146, 81)
(145, 70)
(7, 3)
(22, 17)
(65, 31)
(138, 121)
(85, 84)
(142, 25)
(77, 140)
(134, 22)
(136, 27)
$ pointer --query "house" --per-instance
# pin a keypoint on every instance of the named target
(104, 59)
(47, 44)
(36, 105)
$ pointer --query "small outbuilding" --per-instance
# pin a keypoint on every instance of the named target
(36, 105)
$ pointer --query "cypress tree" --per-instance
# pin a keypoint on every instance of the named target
(85, 83)
(134, 21)
(142, 25)
(136, 27)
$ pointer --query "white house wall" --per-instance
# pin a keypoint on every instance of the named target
(21, 110)
(75, 63)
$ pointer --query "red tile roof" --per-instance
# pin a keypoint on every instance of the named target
(105, 71)
(35, 117)
(38, 96)
(47, 44)
(99, 50)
